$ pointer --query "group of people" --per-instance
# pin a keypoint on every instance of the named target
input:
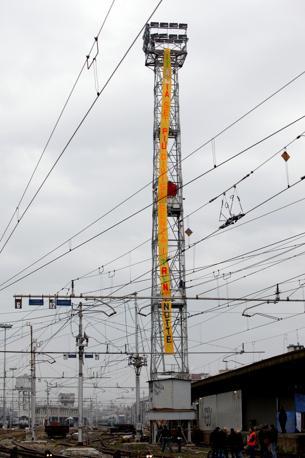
(265, 438)
(226, 444)
(167, 438)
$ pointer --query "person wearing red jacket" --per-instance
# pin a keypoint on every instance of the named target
(251, 443)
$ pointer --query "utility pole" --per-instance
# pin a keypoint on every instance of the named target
(48, 400)
(33, 386)
(4, 326)
(137, 362)
(48, 390)
(13, 369)
(81, 342)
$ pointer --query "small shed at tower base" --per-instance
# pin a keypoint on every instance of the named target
(170, 403)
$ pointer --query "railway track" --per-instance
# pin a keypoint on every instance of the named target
(107, 444)
(23, 452)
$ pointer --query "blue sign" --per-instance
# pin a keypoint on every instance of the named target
(63, 302)
(69, 355)
(88, 355)
(35, 301)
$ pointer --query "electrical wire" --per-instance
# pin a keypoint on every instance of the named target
(248, 175)
(81, 122)
(225, 129)
(251, 266)
(54, 128)
(211, 200)
(255, 207)
(207, 237)
(137, 212)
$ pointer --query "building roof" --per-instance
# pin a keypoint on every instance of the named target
(281, 370)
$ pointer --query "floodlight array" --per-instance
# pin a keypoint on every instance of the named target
(168, 25)
(168, 38)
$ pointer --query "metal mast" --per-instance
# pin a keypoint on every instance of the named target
(137, 361)
(159, 39)
(81, 343)
(33, 385)
(4, 326)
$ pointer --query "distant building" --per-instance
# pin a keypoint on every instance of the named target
(66, 399)
(23, 388)
(59, 413)
(199, 376)
(293, 347)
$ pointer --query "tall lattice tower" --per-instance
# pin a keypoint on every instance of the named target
(165, 47)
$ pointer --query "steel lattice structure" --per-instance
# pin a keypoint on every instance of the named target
(157, 37)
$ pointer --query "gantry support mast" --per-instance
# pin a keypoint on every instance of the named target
(157, 38)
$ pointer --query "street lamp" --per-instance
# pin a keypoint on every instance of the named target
(4, 326)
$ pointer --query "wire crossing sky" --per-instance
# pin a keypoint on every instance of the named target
(242, 82)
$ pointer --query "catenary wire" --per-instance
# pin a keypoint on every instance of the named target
(217, 230)
(77, 128)
(140, 211)
(54, 128)
(244, 115)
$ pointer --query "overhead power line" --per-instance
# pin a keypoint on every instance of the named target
(122, 352)
(219, 231)
(255, 207)
(98, 269)
(228, 306)
(222, 131)
(54, 127)
(136, 279)
(244, 150)
(101, 271)
(137, 212)
(247, 330)
(248, 175)
(251, 252)
(78, 127)
(186, 157)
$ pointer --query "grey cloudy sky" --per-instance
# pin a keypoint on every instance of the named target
(239, 53)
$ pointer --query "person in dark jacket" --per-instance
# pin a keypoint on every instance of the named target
(223, 443)
(235, 443)
(232, 442)
(263, 441)
(282, 419)
(239, 444)
(214, 442)
(273, 440)
(179, 438)
(165, 439)
(14, 452)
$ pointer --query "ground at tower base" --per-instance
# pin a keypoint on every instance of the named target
(101, 443)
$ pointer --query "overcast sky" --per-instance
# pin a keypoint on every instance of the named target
(239, 52)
